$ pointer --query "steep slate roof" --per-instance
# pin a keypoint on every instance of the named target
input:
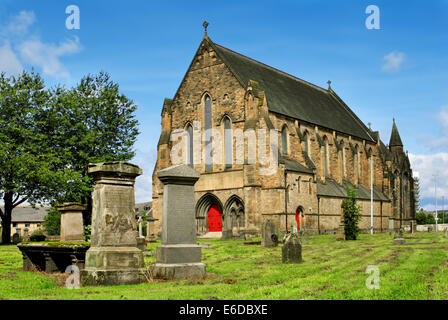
(28, 214)
(333, 189)
(293, 165)
(395, 140)
(294, 97)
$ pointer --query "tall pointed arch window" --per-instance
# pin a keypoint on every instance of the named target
(284, 140)
(228, 142)
(208, 134)
(356, 163)
(306, 142)
(190, 145)
(325, 156)
(342, 159)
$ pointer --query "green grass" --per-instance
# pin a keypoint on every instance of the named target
(330, 270)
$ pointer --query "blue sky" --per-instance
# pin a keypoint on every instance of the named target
(397, 71)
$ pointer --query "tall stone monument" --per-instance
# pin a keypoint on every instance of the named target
(72, 228)
(113, 257)
(179, 255)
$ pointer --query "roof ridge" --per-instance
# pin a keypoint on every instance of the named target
(350, 111)
(272, 68)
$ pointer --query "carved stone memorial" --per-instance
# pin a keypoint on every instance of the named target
(113, 257)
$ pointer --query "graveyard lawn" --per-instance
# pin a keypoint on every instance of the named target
(330, 270)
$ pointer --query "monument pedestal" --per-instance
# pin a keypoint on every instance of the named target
(113, 257)
(179, 255)
(113, 266)
(178, 270)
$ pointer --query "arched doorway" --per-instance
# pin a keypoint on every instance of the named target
(234, 218)
(214, 219)
(299, 217)
(209, 214)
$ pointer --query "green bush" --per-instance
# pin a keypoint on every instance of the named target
(37, 236)
(430, 219)
(421, 218)
(352, 215)
(87, 232)
(52, 223)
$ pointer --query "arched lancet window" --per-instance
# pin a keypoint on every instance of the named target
(284, 140)
(208, 134)
(342, 159)
(325, 156)
(356, 163)
(228, 142)
(305, 137)
(190, 145)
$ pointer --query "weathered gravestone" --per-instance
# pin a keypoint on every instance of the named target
(292, 249)
(340, 235)
(445, 232)
(150, 237)
(113, 257)
(399, 237)
(391, 226)
(179, 255)
(72, 228)
(269, 234)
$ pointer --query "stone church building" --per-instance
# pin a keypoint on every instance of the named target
(323, 148)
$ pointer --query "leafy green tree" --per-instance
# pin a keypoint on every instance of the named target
(421, 217)
(352, 215)
(98, 125)
(430, 219)
(30, 167)
(52, 222)
(50, 136)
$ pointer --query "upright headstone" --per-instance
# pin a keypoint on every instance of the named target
(268, 229)
(292, 249)
(445, 232)
(113, 257)
(179, 255)
(340, 235)
(150, 237)
(399, 237)
(72, 228)
(391, 226)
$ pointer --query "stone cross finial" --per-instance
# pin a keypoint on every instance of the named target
(329, 84)
(205, 25)
(369, 126)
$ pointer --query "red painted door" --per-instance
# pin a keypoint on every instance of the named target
(298, 219)
(214, 219)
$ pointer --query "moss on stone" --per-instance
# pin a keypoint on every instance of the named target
(61, 244)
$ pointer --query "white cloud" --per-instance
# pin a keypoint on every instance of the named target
(22, 47)
(393, 61)
(442, 140)
(8, 60)
(427, 166)
(46, 55)
(19, 24)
